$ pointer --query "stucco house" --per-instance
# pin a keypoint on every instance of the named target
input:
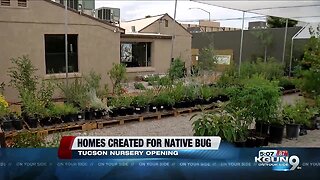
(150, 40)
(36, 29)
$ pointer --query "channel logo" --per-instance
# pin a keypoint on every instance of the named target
(279, 160)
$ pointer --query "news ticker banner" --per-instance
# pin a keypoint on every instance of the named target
(157, 157)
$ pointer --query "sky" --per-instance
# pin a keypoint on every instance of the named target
(130, 10)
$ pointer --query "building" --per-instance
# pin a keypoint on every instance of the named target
(148, 41)
(36, 29)
(206, 26)
(84, 6)
(257, 25)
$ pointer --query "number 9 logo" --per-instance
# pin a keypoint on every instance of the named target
(294, 162)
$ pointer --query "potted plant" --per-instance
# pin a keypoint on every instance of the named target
(16, 121)
(206, 94)
(69, 113)
(276, 129)
(179, 96)
(190, 95)
(296, 116)
(163, 100)
(4, 115)
(140, 103)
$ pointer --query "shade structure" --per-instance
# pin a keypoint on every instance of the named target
(305, 11)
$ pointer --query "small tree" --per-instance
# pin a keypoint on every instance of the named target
(176, 69)
(22, 74)
(117, 75)
(207, 59)
(265, 37)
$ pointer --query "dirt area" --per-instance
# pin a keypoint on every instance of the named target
(182, 126)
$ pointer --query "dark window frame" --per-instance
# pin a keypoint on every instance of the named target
(137, 56)
(55, 53)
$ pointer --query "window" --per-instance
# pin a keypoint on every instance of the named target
(22, 3)
(136, 54)
(166, 23)
(55, 53)
(5, 2)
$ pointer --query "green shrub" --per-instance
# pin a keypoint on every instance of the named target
(139, 86)
(118, 74)
(176, 69)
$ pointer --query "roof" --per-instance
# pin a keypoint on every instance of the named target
(305, 11)
(146, 35)
(85, 15)
(140, 23)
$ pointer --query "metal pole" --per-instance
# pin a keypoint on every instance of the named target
(173, 26)
(241, 42)
(284, 42)
(66, 39)
(209, 16)
(291, 52)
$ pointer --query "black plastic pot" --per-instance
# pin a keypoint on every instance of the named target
(259, 141)
(98, 114)
(129, 110)
(114, 112)
(139, 110)
(122, 111)
(191, 103)
(81, 116)
(262, 128)
(152, 108)
(223, 98)
(32, 122)
(303, 131)
(89, 115)
(292, 131)
(70, 118)
(251, 142)
(276, 133)
(240, 143)
(45, 121)
(56, 120)
(17, 124)
(7, 124)
(160, 107)
(168, 107)
(198, 101)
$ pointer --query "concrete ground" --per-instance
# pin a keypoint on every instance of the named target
(182, 126)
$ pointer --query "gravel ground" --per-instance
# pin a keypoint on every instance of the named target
(182, 126)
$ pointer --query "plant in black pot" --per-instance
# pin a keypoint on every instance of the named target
(6, 121)
(215, 123)
(179, 96)
(296, 116)
(140, 103)
(123, 105)
(190, 95)
(276, 129)
(206, 94)
(69, 113)
(163, 100)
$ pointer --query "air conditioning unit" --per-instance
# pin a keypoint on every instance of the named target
(111, 15)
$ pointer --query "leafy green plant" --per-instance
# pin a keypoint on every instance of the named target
(206, 92)
(140, 100)
(32, 106)
(179, 92)
(207, 60)
(299, 113)
(215, 123)
(191, 92)
(22, 74)
(164, 98)
(139, 86)
(121, 101)
(93, 80)
(27, 140)
(286, 83)
(259, 97)
(117, 75)
(176, 69)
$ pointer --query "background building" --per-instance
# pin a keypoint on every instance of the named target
(206, 26)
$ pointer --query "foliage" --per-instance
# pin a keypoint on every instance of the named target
(95, 102)
(258, 97)
(206, 92)
(299, 113)
(191, 92)
(207, 59)
(33, 107)
(311, 61)
(140, 100)
(286, 82)
(139, 86)
(93, 80)
(164, 98)
(27, 140)
(265, 37)
(121, 101)
(3, 106)
(117, 75)
(76, 93)
(179, 92)
(271, 69)
(45, 93)
(220, 123)
(2, 86)
(277, 22)
(22, 74)
(176, 69)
